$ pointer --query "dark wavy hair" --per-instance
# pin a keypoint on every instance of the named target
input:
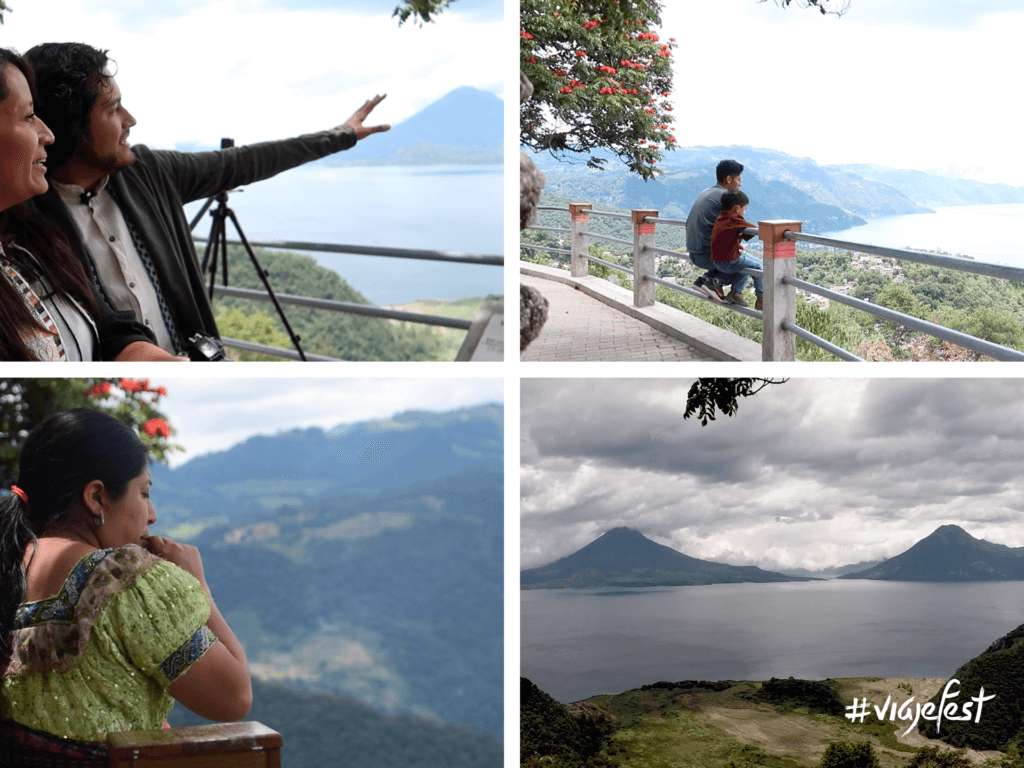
(723, 169)
(55, 260)
(63, 454)
(733, 198)
(68, 78)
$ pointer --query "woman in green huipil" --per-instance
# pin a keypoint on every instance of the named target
(101, 624)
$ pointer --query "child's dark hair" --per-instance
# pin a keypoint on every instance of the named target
(734, 197)
(728, 168)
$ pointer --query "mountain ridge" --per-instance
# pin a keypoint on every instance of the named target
(624, 557)
(949, 553)
(825, 197)
(463, 127)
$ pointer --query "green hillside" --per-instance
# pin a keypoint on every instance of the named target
(735, 724)
(364, 560)
(334, 334)
(323, 730)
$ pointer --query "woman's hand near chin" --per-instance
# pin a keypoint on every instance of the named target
(185, 556)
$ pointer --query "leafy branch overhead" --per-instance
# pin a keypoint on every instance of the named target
(602, 78)
(24, 403)
(707, 395)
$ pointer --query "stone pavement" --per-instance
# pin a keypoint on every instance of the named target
(581, 328)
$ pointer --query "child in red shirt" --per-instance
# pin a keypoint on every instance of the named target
(727, 252)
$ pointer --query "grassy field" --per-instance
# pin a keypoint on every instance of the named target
(451, 338)
(673, 728)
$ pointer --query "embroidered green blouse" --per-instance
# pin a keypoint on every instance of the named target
(99, 656)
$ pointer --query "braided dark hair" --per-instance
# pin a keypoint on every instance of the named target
(64, 453)
(68, 79)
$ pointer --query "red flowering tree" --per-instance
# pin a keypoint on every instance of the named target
(26, 402)
(602, 79)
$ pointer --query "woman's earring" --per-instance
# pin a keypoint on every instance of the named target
(98, 521)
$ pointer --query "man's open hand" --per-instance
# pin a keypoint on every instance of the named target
(356, 121)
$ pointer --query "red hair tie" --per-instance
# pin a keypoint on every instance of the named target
(19, 493)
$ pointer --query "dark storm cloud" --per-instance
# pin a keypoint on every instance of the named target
(826, 456)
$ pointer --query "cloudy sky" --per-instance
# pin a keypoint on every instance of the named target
(211, 414)
(810, 473)
(197, 70)
(910, 84)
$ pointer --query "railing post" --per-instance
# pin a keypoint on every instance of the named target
(779, 299)
(643, 260)
(579, 215)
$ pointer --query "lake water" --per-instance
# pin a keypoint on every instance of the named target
(986, 232)
(444, 208)
(580, 643)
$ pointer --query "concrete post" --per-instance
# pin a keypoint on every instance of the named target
(579, 215)
(643, 260)
(779, 299)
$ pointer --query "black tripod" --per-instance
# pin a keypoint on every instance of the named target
(218, 243)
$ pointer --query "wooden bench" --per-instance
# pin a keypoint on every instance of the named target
(224, 745)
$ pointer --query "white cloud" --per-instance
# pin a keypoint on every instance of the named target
(918, 89)
(226, 69)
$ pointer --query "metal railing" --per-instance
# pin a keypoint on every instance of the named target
(366, 310)
(780, 282)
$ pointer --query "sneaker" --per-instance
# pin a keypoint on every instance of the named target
(737, 298)
(713, 292)
(759, 304)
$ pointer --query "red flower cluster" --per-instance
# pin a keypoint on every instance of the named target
(581, 54)
(530, 60)
(131, 385)
(525, 34)
(98, 390)
(607, 70)
(591, 24)
(631, 65)
(559, 73)
(563, 89)
(648, 36)
(155, 427)
(672, 139)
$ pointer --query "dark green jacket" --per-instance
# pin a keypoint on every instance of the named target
(151, 194)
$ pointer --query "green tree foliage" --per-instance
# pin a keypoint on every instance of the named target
(24, 403)
(258, 328)
(1000, 671)
(420, 11)
(898, 297)
(706, 395)
(334, 334)
(836, 323)
(849, 754)
(324, 730)
(552, 736)
(601, 76)
(933, 757)
(3, 8)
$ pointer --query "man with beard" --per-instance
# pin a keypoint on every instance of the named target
(121, 206)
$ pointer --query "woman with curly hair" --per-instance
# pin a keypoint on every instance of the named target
(102, 625)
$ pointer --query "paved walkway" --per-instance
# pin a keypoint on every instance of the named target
(581, 328)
